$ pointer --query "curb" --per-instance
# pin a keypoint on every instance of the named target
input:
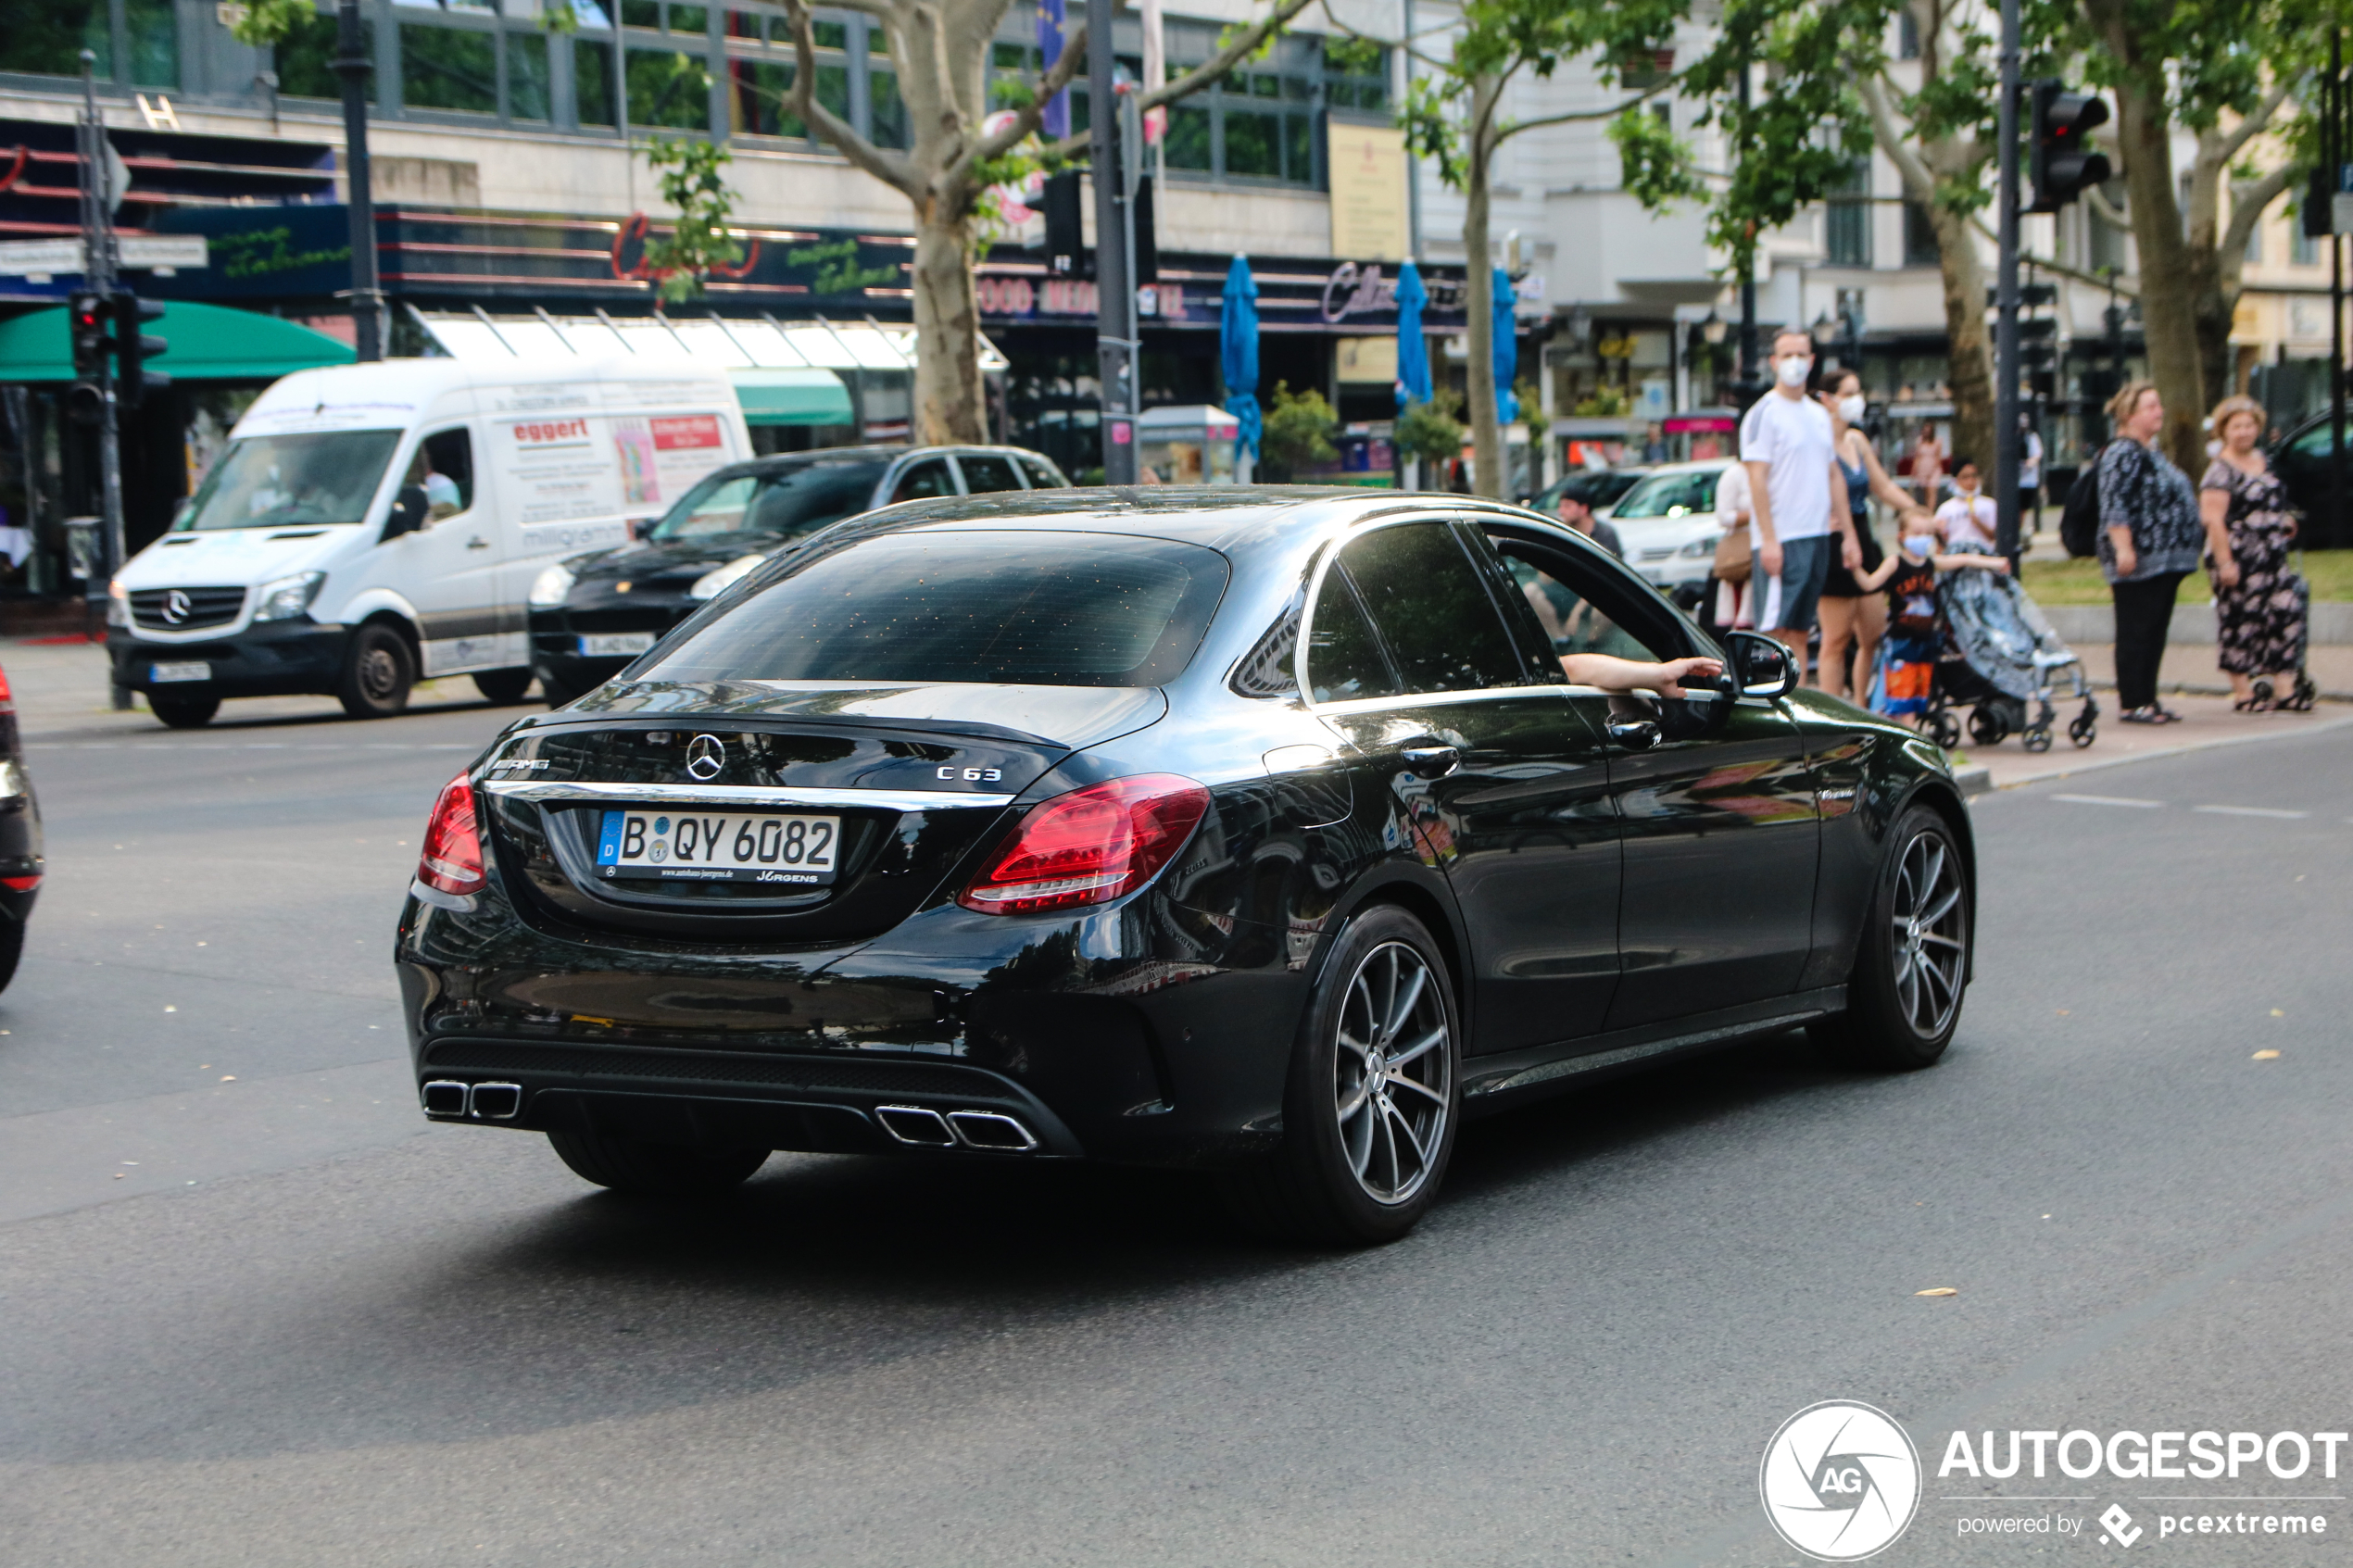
(2217, 743)
(1974, 780)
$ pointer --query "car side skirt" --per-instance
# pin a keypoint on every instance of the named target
(1495, 1082)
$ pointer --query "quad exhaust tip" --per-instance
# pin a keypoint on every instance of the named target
(482, 1102)
(922, 1127)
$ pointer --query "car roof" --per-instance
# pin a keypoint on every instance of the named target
(1699, 465)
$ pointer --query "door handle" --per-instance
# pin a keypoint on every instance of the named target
(477, 543)
(1635, 734)
(1430, 758)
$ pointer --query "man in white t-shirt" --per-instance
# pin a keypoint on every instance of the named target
(1799, 495)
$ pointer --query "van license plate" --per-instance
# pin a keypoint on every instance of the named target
(196, 670)
(614, 645)
(719, 847)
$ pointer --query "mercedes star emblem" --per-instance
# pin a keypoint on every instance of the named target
(705, 757)
(177, 606)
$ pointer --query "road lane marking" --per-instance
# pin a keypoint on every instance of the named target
(2251, 811)
(2109, 801)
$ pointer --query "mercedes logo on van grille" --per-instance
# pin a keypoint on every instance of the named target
(705, 757)
(177, 607)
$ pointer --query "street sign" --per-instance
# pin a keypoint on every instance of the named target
(27, 258)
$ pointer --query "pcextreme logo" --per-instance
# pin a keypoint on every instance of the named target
(1841, 1481)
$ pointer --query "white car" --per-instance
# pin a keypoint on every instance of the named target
(1668, 526)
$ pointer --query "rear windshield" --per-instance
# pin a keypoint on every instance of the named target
(1033, 608)
(272, 481)
(777, 504)
(1670, 495)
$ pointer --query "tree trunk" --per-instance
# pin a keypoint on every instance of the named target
(950, 407)
(1487, 432)
(1970, 355)
(2169, 277)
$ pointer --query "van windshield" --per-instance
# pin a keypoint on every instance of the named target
(270, 481)
(780, 503)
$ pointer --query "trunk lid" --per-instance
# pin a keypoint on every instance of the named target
(915, 778)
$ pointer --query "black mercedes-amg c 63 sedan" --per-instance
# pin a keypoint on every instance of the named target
(1258, 832)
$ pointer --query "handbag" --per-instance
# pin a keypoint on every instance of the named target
(1735, 556)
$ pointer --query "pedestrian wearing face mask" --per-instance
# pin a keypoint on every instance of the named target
(1803, 518)
(1968, 519)
(1854, 620)
(1915, 627)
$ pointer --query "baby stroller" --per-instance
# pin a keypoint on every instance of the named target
(2010, 667)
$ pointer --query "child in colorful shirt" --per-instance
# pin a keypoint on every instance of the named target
(1915, 622)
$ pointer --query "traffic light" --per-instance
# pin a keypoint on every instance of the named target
(2063, 163)
(1066, 244)
(134, 348)
(87, 315)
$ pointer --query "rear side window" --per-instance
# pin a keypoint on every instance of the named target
(987, 606)
(1042, 474)
(1432, 606)
(1344, 660)
(928, 478)
(986, 473)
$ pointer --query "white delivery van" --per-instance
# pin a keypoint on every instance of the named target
(369, 526)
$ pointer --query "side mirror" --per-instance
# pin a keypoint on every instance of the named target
(1762, 666)
(408, 510)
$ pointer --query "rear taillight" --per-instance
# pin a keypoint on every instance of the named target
(8, 698)
(1088, 846)
(452, 857)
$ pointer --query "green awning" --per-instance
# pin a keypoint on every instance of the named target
(209, 343)
(791, 398)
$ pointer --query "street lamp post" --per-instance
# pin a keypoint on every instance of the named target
(2006, 365)
(1115, 283)
(367, 300)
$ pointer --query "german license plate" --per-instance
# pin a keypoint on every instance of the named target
(614, 645)
(195, 671)
(719, 847)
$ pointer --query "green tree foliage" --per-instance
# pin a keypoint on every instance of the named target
(698, 243)
(1431, 430)
(264, 22)
(1298, 434)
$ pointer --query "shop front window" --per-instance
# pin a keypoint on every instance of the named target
(527, 76)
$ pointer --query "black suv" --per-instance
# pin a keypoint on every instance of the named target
(591, 615)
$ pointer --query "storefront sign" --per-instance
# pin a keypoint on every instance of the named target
(1369, 206)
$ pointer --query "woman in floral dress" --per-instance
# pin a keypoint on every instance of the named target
(2260, 607)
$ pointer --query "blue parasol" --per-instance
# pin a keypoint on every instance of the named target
(1237, 347)
(1052, 17)
(1507, 349)
(1412, 351)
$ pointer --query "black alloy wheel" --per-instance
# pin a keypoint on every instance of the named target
(378, 670)
(183, 712)
(503, 688)
(655, 1170)
(1911, 967)
(1373, 1095)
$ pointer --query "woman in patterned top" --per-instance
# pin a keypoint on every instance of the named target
(2149, 538)
(2259, 605)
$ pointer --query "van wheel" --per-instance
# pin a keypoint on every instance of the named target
(378, 670)
(503, 687)
(183, 712)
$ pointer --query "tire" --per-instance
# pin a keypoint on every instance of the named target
(378, 670)
(1346, 1179)
(656, 1170)
(11, 950)
(1904, 998)
(1986, 727)
(183, 712)
(503, 688)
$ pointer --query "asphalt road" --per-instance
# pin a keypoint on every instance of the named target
(304, 1329)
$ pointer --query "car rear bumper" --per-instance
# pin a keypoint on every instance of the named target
(1132, 1061)
(269, 659)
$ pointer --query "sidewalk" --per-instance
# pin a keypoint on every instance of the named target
(2190, 667)
(2206, 721)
